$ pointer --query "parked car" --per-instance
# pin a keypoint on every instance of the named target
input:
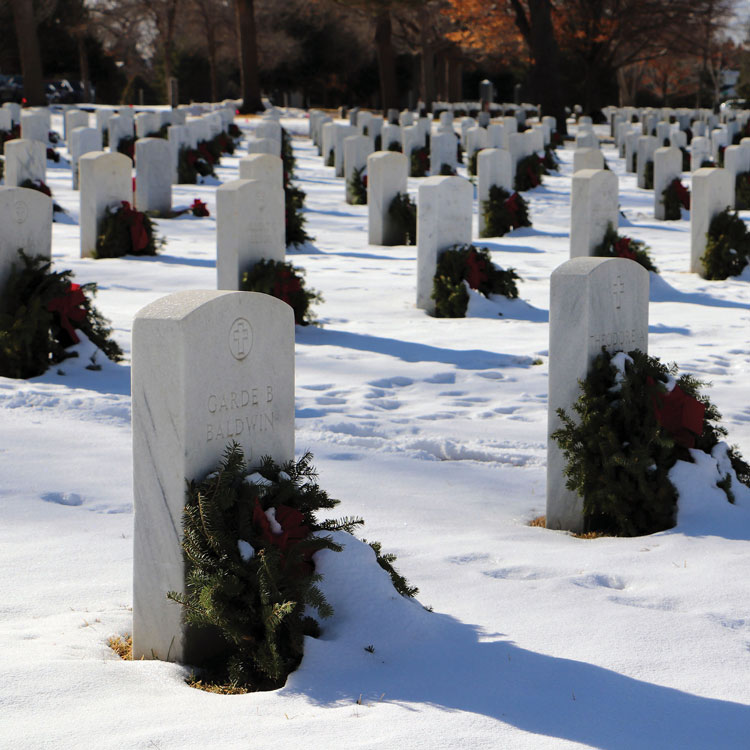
(11, 88)
(730, 104)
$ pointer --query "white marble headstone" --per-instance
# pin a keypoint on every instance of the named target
(209, 367)
(386, 177)
(594, 303)
(493, 168)
(25, 159)
(264, 167)
(667, 167)
(153, 175)
(594, 206)
(713, 191)
(356, 150)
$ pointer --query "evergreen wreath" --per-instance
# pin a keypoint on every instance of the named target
(331, 159)
(394, 146)
(126, 231)
(294, 202)
(727, 246)
(636, 421)
(403, 214)
(190, 164)
(40, 311)
(234, 131)
(675, 196)
(459, 150)
(503, 212)
(287, 153)
(446, 170)
(2, 167)
(471, 165)
(282, 280)
(529, 173)
(466, 263)
(616, 246)
(358, 187)
(378, 142)
(249, 538)
(742, 191)
(648, 175)
(53, 155)
(720, 160)
(708, 163)
(9, 135)
(686, 163)
(551, 162)
(420, 162)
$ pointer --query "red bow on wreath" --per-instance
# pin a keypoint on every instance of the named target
(678, 413)
(292, 529)
(68, 308)
(476, 270)
(285, 285)
(512, 207)
(533, 177)
(138, 233)
(205, 153)
(622, 248)
(682, 193)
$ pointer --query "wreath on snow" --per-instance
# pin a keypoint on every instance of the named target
(282, 280)
(503, 211)
(742, 191)
(287, 154)
(727, 246)
(249, 539)
(126, 146)
(358, 187)
(686, 159)
(465, 264)
(394, 146)
(551, 162)
(127, 231)
(420, 162)
(675, 197)
(40, 312)
(636, 419)
(446, 170)
(617, 246)
(529, 171)
(471, 164)
(403, 214)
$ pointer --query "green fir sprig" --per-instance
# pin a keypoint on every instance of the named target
(358, 187)
(616, 246)
(503, 212)
(403, 213)
(727, 246)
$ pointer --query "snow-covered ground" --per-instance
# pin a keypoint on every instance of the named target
(434, 431)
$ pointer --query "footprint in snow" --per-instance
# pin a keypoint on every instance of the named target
(63, 498)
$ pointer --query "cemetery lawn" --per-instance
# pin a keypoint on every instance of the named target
(433, 430)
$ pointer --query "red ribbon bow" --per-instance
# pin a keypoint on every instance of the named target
(622, 248)
(292, 528)
(285, 285)
(199, 208)
(512, 207)
(68, 308)
(533, 177)
(678, 413)
(476, 270)
(138, 233)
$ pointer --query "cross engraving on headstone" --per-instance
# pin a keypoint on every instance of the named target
(21, 211)
(240, 338)
(618, 291)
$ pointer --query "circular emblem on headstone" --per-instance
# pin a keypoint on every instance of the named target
(21, 211)
(240, 338)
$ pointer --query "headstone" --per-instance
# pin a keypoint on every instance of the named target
(667, 167)
(678, 138)
(249, 228)
(119, 127)
(700, 151)
(406, 119)
(647, 144)
(737, 161)
(593, 207)
(443, 220)
(475, 139)
(208, 368)
(328, 142)
(719, 138)
(356, 150)
(264, 167)
(446, 120)
(494, 168)
(103, 117)
(177, 138)
(82, 141)
(105, 180)
(587, 158)
(74, 118)
(510, 125)
(442, 151)
(386, 177)
(26, 221)
(713, 191)
(268, 129)
(15, 111)
(146, 124)
(495, 135)
(34, 127)
(518, 149)
(6, 120)
(594, 303)
(342, 131)
(263, 146)
(390, 134)
(411, 139)
(663, 130)
(25, 159)
(153, 175)
(631, 150)
(587, 139)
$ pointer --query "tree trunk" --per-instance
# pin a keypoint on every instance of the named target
(28, 49)
(83, 64)
(427, 56)
(545, 71)
(211, 43)
(248, 43)
(386, 62)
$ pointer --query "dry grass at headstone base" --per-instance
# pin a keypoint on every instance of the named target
(122, 645)
(541, 522)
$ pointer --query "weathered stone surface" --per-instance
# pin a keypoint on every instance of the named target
(594, 202)
(386, 177)
(153, 175)
(25, 159)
